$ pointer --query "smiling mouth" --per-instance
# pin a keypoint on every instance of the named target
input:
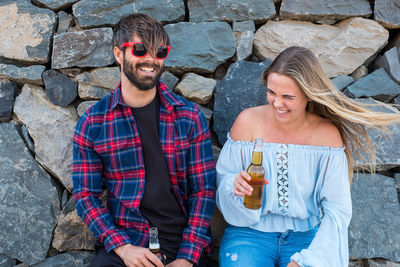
(282, 111)
(151, 70)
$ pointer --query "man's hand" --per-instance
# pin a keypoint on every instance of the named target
(179, 263)
(293, 264)
(134, 256)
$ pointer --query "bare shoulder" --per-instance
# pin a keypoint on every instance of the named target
(327, 134)
(246, 123)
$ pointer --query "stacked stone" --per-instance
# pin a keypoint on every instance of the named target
(56, 60)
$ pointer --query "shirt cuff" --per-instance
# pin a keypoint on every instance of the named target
(190, 251)
(298, 259)
(114, 239)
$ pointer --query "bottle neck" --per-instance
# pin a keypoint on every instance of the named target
(256, 158)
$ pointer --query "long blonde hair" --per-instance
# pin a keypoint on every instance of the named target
(351, 118)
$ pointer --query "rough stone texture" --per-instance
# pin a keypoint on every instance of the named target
(72, 234)
(387, 13)
(64, 21)
(360, 72)
(89, 48)
(31, 74)
(101, 77)
(83, 106)
(390, 62)
(196, 88)
(26, 31)
(169, 79)
(70, 259)
(373, 231)
(342, 81)
(163, 10)
(397, 180)
(8, 90)
(91, 13)
(340, 49)
(231, 10)
(29, 203)
(7, 261)
(242, 26)
(382, 263)
(55, 4)
(377, 85)
(205, 46)
(27, 138)
(60, 89)
(356, 263)
(244, 44)
(89, 92)
(240, 88)
(51, 128)
(326, 9)
(207, 112)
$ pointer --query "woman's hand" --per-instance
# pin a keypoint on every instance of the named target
(241, 185)
(293, 264)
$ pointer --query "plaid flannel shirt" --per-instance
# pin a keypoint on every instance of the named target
(107, 151)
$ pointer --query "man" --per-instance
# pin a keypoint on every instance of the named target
(151, 150)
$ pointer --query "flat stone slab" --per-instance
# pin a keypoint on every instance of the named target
(165, 11)
(26, 31)
(29, 203)
(374, 228)
(387, 13)
(31, 74)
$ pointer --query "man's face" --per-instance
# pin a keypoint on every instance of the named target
(142, 72)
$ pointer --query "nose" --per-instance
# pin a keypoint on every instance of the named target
(277, 102)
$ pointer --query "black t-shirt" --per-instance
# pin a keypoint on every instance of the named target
(159, 204)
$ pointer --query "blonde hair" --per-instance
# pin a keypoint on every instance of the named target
(351, 118)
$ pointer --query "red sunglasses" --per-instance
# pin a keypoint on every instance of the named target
(139, 50)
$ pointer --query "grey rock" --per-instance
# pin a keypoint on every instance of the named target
(216, 151)
(356, 263)
(240, 88)
(51, 127)
(72, 234)
(342, 81)
(231, 10)
(381, 263)
(27, 138)
(243, 26)
(101, 77)
(377, 85)
(8, 90)
(397, 180)
(64, 21)
(324, 10)
(29, 202)
(89, 92)
(205, 46)
(31, 74)
(207, 112)
(7, 261)
(373, 231)
(387, 13)
(55, 4)
(390, 62)
(91, 13)
(70, 259)
(166, 11)
(196, 88)
(88, 48)
(83, 106)
(244, 44)
(26, 31)
(60, 89)
(169, 79)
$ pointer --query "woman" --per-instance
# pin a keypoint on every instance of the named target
(311, 132)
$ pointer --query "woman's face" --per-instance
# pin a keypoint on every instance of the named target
(287, 100)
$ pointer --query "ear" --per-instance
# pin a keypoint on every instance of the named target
(119, 55)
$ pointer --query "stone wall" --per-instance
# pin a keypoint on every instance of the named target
(56, 61)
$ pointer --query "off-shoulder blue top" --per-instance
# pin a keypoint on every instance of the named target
(308, 185)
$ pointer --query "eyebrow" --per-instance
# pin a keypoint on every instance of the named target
(291, 96)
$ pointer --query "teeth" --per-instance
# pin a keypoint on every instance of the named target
(147, 69)
(281, 111)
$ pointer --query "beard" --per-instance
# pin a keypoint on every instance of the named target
(142, 83)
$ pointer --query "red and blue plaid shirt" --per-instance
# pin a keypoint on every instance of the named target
(108, 151)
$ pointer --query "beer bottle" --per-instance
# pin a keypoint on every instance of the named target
(257, 174)
(154, 245)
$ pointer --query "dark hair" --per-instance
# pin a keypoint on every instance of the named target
(148, 29)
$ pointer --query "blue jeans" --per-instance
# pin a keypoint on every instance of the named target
(245, 247)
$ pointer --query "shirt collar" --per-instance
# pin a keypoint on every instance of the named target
(167, 98)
